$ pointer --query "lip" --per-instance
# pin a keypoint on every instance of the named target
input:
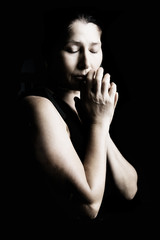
(80, 77)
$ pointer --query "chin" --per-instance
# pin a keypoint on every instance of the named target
(76, 86)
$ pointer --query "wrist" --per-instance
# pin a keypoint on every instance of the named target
(100, 126)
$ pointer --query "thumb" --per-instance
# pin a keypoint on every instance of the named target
(77, 101)
(79, 108)
(77, 104)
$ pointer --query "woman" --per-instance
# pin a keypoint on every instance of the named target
(67, 126)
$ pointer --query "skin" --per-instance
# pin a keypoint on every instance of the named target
(84, 79)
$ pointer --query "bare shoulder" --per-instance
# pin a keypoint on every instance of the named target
(42, 110)
(36, 102)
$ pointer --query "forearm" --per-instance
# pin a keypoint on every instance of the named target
(124, 174)
(95, 161)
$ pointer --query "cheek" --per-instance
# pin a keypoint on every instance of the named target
(68, 62)
(98, 61)
(100, 58)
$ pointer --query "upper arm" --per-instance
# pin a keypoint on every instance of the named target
(53, 147)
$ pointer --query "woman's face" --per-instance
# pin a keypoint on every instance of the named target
(81, 53)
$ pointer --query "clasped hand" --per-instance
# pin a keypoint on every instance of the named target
(98, 98)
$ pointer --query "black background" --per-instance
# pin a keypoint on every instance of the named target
(132, 38)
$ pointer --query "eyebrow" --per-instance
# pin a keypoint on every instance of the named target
(79, 43)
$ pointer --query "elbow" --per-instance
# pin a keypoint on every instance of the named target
(130, 193)
(94, 209)
(132, 188)
(91, 210)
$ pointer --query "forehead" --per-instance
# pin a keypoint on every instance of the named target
(80, 30)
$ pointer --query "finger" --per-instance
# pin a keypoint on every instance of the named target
(113, 89)
(86, 85)
(89, 80)
(105, 83)
(116, 99)
(98, 80)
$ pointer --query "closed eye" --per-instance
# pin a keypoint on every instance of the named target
(72, 47)
(94, 50)
(72, 51)
(95, 47)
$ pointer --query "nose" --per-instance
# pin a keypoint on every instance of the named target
(84, 61)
